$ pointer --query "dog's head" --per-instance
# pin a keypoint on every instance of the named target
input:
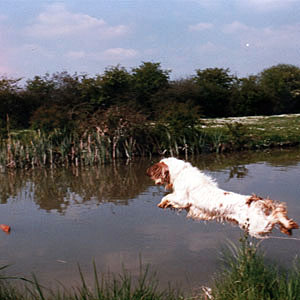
(165, 171)
(159, 173)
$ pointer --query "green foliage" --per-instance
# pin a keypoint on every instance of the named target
(246, 275)
(181, 117)
(49, 118)
(68, 101)
(180, 94)
(215, 90)
(13, 108)
(238, 136)
(280, 84)
(249, 99)
(115, 86)
(147, 80)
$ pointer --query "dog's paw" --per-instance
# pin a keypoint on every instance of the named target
(164, 204)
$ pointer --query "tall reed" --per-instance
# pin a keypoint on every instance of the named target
(105, 287)
(246, 275)
(31, 149)
(92, 146)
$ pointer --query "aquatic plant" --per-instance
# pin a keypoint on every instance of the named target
(106, 287)
(246, 275)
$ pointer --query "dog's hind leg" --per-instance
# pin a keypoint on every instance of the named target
(285, 224)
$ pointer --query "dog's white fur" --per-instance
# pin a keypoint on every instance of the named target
(204, 200)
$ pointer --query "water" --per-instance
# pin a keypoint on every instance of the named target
(61, 218)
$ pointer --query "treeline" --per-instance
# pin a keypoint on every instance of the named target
(145, 93)
(77, 120)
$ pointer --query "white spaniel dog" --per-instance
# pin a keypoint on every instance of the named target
(201, 197)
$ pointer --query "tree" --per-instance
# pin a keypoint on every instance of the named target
(115, 86)
(215, 89)
(12, 106)
(38, 92)
(147, 80)
(248, 98)
(40, 89)
(179, 97)
(60, 100)
(91, 95)
(281, 84)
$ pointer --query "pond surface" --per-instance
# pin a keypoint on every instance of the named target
(109, 215)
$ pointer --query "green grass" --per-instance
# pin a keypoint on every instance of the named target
(259, 131)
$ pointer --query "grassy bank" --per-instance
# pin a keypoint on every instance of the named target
(255, 132)
(245, 274)
(30, 149)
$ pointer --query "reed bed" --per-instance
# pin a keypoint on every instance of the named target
(35, 149)
(31, 149)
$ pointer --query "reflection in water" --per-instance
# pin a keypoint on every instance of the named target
(108, 214)
(238, 172)
(56, 189)
(278, 157)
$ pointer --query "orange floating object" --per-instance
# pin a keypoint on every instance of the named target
(5, 228)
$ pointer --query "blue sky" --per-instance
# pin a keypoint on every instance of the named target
(246, 36)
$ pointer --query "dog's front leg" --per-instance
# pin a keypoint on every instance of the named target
(164, 203)
(172, 200)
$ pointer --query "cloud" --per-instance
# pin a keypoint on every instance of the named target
(205, 3)
(120, 53)
(111, 54)
(201, 26)
(5, 70)
(254, 47)
(6, 51)
(285, 37)
(235, 27)
(281, 37)
(208, 47)
(265, 5)
(34, 50)
(3, 18)
(76, 54)
(57, 21)
(255, 5)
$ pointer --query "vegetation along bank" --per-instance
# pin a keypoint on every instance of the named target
(64, 119)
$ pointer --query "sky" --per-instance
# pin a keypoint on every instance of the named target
(88, 36)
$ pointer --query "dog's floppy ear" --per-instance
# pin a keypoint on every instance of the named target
(159, 170)
(164, 169)
(165, 173)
